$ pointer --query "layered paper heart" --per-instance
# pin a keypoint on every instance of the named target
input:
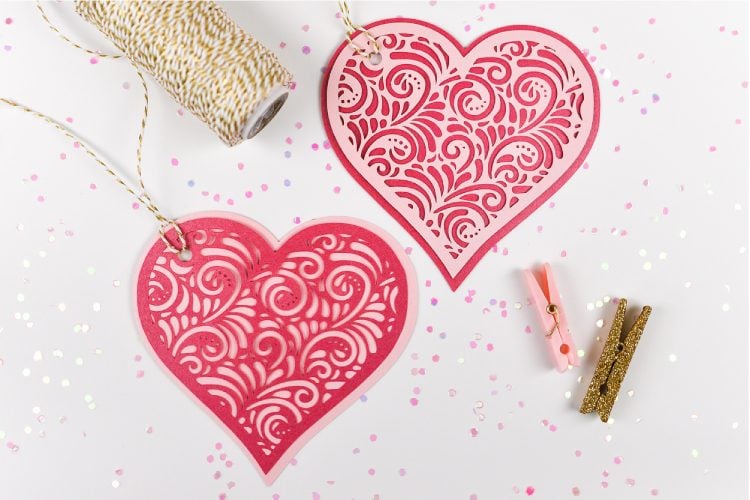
(276, 338)
(460, 144)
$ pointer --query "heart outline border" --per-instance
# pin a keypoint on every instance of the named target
(455, 281)
(276, 243)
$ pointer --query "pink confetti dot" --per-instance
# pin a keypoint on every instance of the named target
(288, 140)
(654, 492)
(229, 464)
(738, 121)
(467, 27)
(264, 187)
(644, 111)
(618, 460)
(8, 20)
(630, 481)
(603, 46)
(435, 358)
(305, 50)
(669, 75)
(500, 426)
(305, 27)
(615, 83)
(576, 491)
(217, 197)
(139, 374)
(34, 177)
(578, 453)
(314, 146)
(40, 198)
(712, 149)
(355, 451)
(218, 446)
(474, 432)
(373, 437)
(641, 55)
(665, 211)
(7, 48)
(604, 484)
(530, 490)
(217, 474)
(473, 496)
(336, 189)
(722, 28)
(413, 401)
(135, 206)
(735, 32)
(240, 166)
(248, 194)
(628, 206)
(175, 162)
(63, 156)
(69, 119)
(652, 21)
(230, 202)
(490, 347)
(744, 84)
(93, 60)
(595, 29)
(371, 472)
(76, 145)
(210, 458)
(282, 45)
(402, 472)
(617, 148)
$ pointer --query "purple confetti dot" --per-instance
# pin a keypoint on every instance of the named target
(305, 50)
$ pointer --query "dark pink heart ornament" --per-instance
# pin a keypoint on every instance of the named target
(277, 338)
(460, 144)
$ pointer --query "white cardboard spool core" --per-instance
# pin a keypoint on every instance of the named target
(265, 111)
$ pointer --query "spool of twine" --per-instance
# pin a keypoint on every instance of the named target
(201, 57)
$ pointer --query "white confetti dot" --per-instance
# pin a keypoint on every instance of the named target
(20, 297)
(694, 453)
(608, 438)
(672, 358)
(581, 353)
(37, 355)
(115, 483)
(688, 284)
(725, 307)
(599, 323)
(46, 379)
(589, 306)
(662, 255)
(605, 266)
(65, 382)
(96, 307)
(27, 430)
(35, 410)
(88, 398)
(57, 353)
(735, 425)
(567, 394)
(26, 263)
(683, 234)
(642, 252)
(91, 270)
(79, 361)
(647, 266)
(26, 372)
(62, 307)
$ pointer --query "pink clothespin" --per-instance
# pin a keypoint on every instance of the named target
(552, 315)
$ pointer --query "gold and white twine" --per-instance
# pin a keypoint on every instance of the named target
(201, 57)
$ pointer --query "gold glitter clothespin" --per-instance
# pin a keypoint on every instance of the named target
(613, 363)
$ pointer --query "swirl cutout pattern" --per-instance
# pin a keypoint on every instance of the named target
(272, 341)
(461, 144)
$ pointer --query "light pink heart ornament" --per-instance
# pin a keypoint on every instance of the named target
(460, 144)
(277, 338)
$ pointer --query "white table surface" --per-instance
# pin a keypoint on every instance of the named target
(658, 216)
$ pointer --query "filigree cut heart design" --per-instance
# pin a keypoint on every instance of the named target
(461, 144)
(276, 338)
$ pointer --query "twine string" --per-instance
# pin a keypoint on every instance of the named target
(143, 196)
(352, 29)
